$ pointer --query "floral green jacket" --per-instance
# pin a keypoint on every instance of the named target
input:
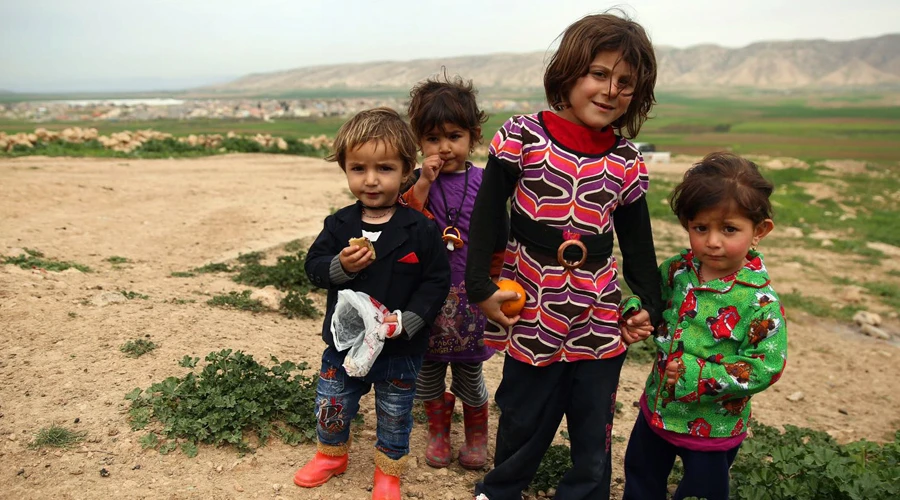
(730, 337)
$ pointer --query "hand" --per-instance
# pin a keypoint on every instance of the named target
(673, 371)
(491, 307)
(355, 258)
(391, 319)
(431, 168)
(636, 327)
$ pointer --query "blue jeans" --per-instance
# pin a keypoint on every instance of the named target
(338, 394)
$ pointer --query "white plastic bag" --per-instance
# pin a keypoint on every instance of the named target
(358, 324)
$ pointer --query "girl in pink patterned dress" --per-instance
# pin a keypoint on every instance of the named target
(571, 178)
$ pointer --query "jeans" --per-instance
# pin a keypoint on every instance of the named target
(649, 459)
(338, 394)
(532, 402)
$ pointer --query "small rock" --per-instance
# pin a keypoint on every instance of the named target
(219, 469)
(842, 411)
(551, 492)
(76, 472)
(21, 471)
(827, 243)
(136, 467)
(104, 472)
(797, 396)
(867, 318)
(238, 488)
(853, 294)
(107, 298)
(874, 331)
(77, 420)
(277, 487)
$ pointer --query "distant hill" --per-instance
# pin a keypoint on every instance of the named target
(869, 62)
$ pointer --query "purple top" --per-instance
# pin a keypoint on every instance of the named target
(457, 334)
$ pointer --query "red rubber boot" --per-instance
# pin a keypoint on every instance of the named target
(473, 454)
(440, 413)
(329, 461)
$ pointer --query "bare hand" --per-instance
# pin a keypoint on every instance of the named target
(392, 319)
(636, 327)
(491, 307)
(673, 371)
(431, 168)
(355, 258)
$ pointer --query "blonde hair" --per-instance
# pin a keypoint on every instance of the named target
(378, 124)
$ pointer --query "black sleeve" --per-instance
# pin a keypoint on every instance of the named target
(639, 267)
(488, 229)
(320, 254)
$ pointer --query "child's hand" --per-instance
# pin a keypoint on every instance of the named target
(391, 319)
(431, 168)
(673, 371)
(636, 327)
(355, 258)
(491, 307)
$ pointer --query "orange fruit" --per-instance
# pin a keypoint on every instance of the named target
(512, 307)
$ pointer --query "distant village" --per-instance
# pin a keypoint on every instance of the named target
(187, 109)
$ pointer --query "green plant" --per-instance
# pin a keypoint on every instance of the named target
(293, 246)
(286, 274)
(805, 463)
(134, 295)
(554, 465)
(183, 274)
(56, 436)
(115, 259)
(296, 304)
(137, 348)
(215, 267)
(250, 258)
(815, 306)
(231, 397)
(237, 300)
(36, 260)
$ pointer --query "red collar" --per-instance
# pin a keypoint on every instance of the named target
(578, 137)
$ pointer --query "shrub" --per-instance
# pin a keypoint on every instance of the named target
(56, 436)
(137, 348)
(232, 395)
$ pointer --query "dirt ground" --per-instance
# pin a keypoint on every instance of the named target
(60, 361)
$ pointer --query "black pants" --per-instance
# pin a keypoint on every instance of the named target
(649, 459)
(532, 402)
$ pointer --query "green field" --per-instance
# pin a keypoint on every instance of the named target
(863, 126)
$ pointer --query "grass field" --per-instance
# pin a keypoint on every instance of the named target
(809, 127)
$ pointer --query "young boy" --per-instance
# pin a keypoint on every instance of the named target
(404, 266)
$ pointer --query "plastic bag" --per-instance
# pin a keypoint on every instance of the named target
(358, 324)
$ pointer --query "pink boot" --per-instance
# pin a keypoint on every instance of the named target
(440, 413)
(473, 454)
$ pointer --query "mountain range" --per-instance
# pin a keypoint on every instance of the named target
(802, 64)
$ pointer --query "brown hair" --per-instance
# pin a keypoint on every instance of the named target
(723, 178)
(378, 124)
(582, 41)
(437, 101)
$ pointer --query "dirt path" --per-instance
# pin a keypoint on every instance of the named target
(60, 358)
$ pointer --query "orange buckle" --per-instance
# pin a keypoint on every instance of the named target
(569, 265)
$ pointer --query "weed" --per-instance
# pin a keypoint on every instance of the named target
(72, 314)
(181, 302)
(237, 300)
(888, 293)
(137, 348)
(134, 295)
(293, 246)
(296, 304)
(815, 306)
(805, 463)
(251, 258)
(56, 436)
(555, 463)
(115, 259)
(232, 395)
(34, 262)
(183, 274)
(216, 267)
(642, 353)
(33, 252)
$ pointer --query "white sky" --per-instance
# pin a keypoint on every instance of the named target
(55, 45)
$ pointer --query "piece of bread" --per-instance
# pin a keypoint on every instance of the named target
(363, 242)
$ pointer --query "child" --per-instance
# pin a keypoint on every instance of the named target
(723, 336)
(447, 123)
(408, 272)
(572, 180)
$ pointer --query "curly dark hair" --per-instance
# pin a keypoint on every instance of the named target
(441, 100)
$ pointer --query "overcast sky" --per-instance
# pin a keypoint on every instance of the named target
(103, 45)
